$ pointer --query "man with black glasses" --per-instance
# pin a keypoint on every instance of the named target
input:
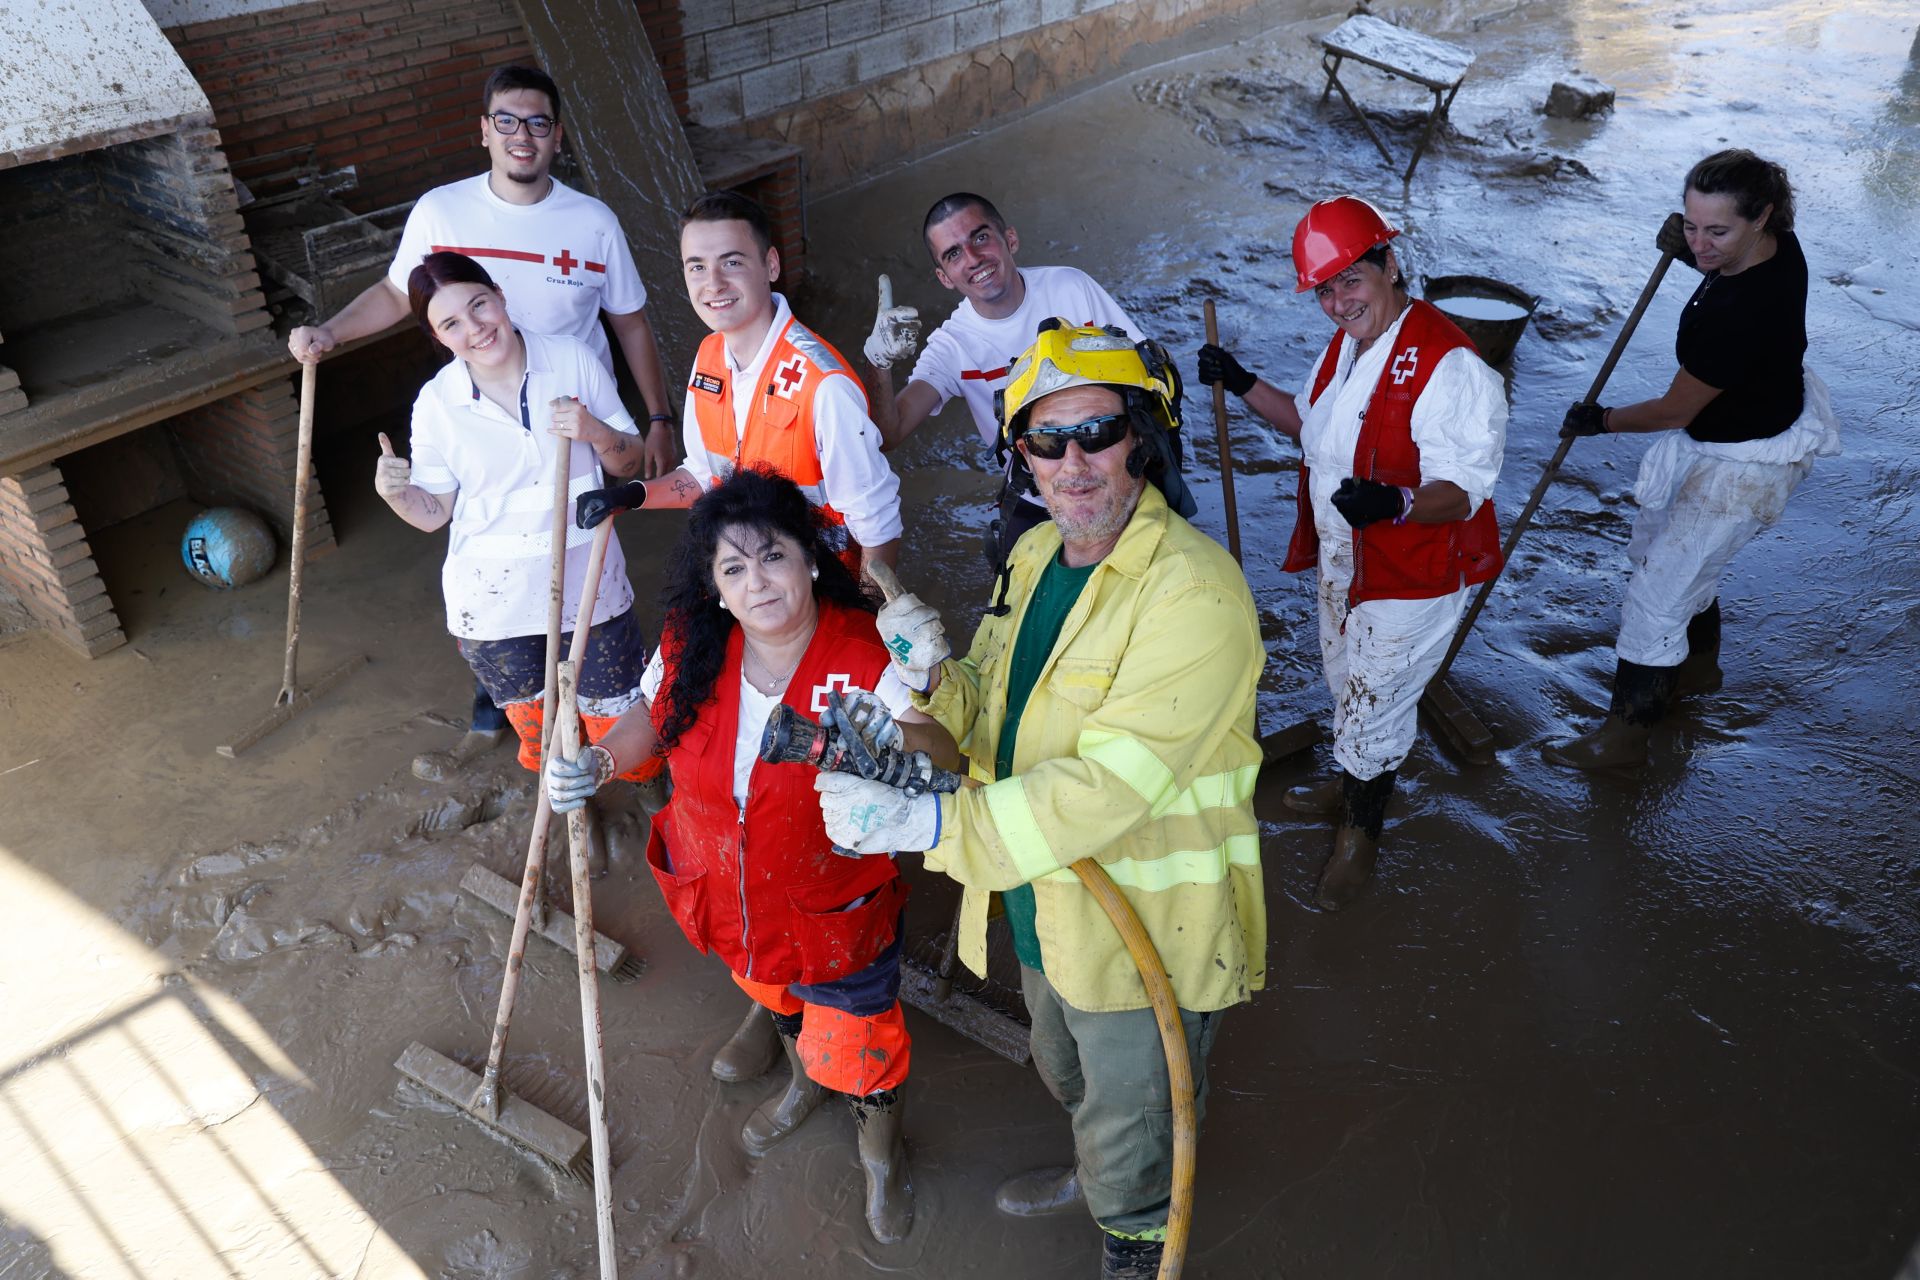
(560, 259)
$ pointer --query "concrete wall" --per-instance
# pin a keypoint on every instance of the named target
(861, 82)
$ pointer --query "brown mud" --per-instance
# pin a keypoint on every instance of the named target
(1580, 1026)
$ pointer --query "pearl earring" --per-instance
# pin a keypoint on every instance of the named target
(813, 574)
(723, 606)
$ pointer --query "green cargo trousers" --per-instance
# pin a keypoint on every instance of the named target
(1110, 1072)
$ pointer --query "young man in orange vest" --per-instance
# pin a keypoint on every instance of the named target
(766, 391)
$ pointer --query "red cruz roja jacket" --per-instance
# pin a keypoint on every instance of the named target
(1401, 561)
(763, 889)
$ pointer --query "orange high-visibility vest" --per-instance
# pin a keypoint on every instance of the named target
(779, 430)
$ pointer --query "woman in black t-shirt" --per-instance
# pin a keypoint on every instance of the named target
(1741, 423)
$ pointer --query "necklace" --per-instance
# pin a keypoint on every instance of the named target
(774, 683)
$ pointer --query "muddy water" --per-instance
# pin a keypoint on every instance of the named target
(1662, 1026)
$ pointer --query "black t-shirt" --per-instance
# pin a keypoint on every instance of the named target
(1746, 334)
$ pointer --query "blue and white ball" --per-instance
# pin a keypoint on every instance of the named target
(227, 547)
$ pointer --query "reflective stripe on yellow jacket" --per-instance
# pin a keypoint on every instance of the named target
(1137, 749)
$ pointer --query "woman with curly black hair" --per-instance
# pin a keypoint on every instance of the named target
(760, 611)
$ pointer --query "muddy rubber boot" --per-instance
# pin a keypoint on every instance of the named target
(1640, 697)
(1038, 1192)
(445, 766)
(883, 1157)
(751, 1050)
(654, 793)
(1319, 799)
(1700, 671)
(1129, 1259)
(1357, 841)
(780, 1115)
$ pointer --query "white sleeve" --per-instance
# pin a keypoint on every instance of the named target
(1460, 425)
(656, 672)
(939, 366)
(624, 293)
(598, 392)
(425, 448)
(854, 474)
(416, 242)
(1304, 396)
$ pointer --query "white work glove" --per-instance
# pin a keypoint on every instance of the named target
(872, 721)
(865, 817)
(571, 783)
(896, 330)
(392, 473)
(913, 634)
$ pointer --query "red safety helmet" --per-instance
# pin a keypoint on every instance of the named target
(1333, 235)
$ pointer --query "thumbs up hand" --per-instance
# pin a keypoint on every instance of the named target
(392, 474)
(896, 330)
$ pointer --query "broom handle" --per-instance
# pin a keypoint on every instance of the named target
(568, 736)
(297, 554)
(1225, 445)
(486, 1099)
(1553, 466)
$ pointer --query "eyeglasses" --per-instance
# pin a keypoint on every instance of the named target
(506, 123)
(1093, 436)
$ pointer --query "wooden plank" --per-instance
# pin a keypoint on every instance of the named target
(503, 895)
(632, 151)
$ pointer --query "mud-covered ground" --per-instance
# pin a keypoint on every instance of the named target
(1601, 1026)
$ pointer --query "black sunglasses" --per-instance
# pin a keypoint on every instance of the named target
(1093, 435)
(505, 123)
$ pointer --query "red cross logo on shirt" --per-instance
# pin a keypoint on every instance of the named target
(788, 378)
(566, 262)
(1405, 365)
(842, 683)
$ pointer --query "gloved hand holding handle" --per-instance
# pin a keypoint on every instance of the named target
(1218, 365)
(1584, 418)
(595, 505)
(571, 783)
(1671, 239)
(1365, 502)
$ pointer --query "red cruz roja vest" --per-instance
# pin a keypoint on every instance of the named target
(763, 889)
(1401, 561)
(779, 430)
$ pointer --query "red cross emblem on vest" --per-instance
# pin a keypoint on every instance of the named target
(1405, 365)
(566, 262)
(843, 684)
(789, 377)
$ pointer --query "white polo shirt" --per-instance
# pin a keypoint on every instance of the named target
(969, 355)
(854, 475)
(560, 262)
(499, 466)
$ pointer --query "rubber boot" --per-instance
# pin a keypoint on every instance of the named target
(1130, 1259)
(779, 1116)
(1700, 671)
(1320, 799)
(883, 1157)
(1038, 1192)
(1357, 841)
(444, 766)
(1640, 696)
(751, 1050)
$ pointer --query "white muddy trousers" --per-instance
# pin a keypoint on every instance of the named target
(1378, 663)
(1699, 504)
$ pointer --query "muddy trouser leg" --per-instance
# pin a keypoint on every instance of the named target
(1110, 1072)
(487, 718)
(1391, 648)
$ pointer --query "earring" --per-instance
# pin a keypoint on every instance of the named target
(723, 605)
(813, 574)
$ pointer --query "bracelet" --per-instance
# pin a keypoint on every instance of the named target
(1406, 505)
(606, 767)
(660, 417)
(1606, 421)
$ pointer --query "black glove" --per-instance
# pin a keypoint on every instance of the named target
(1363, 502)
(1216, 365)
(1585, 418)
(595, 505)
(1671, 239)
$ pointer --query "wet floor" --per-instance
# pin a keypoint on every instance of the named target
(1604, 1026)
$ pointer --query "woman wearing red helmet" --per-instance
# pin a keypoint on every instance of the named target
(1401, 428)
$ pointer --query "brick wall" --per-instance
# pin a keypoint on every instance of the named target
(45, 559)
(243, 451)
(667, 34)
(391, 86)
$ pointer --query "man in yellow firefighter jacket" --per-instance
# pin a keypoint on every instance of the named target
(766, 391)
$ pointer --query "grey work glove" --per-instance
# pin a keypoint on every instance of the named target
(865, 817)
(914, 635)
(571, 783)
(896, 330)
(392, 474)
(872, 721)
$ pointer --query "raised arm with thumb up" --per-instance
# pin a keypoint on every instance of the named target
(392, 474)
(896, 330)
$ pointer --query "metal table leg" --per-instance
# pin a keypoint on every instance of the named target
(1333, 82)
(1440, 108)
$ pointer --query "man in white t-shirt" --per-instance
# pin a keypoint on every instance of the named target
(1000, 311)
(561, 260)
